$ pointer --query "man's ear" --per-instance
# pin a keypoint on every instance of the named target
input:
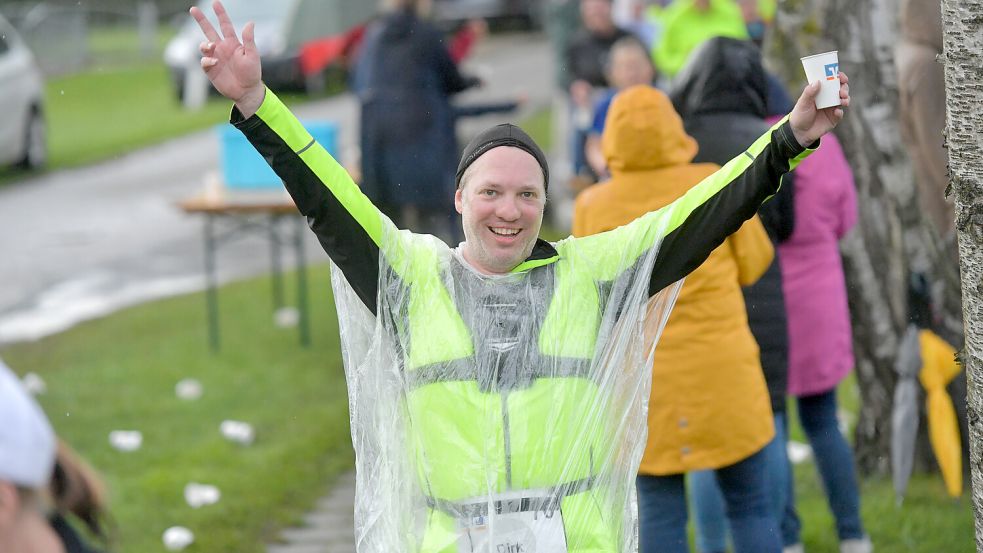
(9, 504)
(459, 200)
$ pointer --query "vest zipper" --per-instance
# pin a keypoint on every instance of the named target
(507, 440)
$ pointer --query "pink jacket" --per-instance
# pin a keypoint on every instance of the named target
(820, 343)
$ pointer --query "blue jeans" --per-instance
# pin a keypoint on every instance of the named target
(708, 502)
(834, 458)
(662, 510)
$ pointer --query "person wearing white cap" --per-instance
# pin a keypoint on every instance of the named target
(33, 464)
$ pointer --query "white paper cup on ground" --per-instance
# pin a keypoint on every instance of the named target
(126, 440)
(34, 384)
(824, 68)
(198, 495)
(177, 538)
(238, 431)
(188, 389)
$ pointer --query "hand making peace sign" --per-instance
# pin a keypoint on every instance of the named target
(232, 67)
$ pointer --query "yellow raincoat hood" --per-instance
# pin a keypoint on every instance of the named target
(697, 418)
(645, 132)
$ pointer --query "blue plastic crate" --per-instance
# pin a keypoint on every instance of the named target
(244, 168)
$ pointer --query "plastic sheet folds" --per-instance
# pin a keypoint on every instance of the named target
(502, 413)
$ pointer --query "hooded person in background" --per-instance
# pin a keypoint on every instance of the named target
(42, 482)
(497, 389)
(709, 403)
(722, 95)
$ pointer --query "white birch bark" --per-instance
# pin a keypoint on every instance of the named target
(962, 22)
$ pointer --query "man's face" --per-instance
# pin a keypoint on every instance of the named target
(501, 203)
(596, 15)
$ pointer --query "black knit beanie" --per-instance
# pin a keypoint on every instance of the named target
(502, 135)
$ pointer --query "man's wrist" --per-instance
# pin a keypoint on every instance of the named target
(792, 143)
(801, 138)
(248, 104)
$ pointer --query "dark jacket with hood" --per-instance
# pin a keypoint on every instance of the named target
(722, 95)
(404, 79)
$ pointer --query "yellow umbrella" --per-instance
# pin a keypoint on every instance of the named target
(939, 367)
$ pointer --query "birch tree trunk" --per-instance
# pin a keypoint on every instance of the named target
(962, 22)
(892, 235)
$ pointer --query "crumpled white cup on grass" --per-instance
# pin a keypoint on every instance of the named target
(126, 440)
(177, 538)
(238, 431)
(198, 495)
(188, 389)
(34, 384)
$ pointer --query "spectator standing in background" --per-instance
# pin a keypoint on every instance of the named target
(405, 78)
(628, 65)
(722, 96)
(688, 23)
(586, 57)
(709, 406)
(820, 340)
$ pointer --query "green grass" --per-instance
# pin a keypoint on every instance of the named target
(121, 44)
(109, 111)
(119, 373)
(121, 103)
(112, 110)
(929, 521)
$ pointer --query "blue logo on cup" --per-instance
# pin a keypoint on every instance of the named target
(832, 70)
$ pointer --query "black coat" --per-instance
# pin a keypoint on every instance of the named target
(722, 96)
(404, 78)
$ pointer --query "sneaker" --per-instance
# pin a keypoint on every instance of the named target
(861, 545)
(797, 548)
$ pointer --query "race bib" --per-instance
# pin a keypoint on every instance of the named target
(521, 525)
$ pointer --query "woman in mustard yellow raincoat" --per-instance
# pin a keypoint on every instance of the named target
(709, 407)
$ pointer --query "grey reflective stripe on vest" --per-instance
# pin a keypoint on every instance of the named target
(548, 504)
(465, 370)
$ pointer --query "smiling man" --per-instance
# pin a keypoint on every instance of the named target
(501, 194)
(497, 390)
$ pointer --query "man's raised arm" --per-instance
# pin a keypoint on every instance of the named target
(346, 223)
(714, 209)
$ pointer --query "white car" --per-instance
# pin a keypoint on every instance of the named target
(23, 139)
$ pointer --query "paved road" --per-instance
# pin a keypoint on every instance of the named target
(81, 243)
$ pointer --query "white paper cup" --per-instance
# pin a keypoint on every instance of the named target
(824, 68)
(126, 440)
(177, 538)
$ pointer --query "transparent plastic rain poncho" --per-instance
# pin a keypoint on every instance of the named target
(502, 413)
